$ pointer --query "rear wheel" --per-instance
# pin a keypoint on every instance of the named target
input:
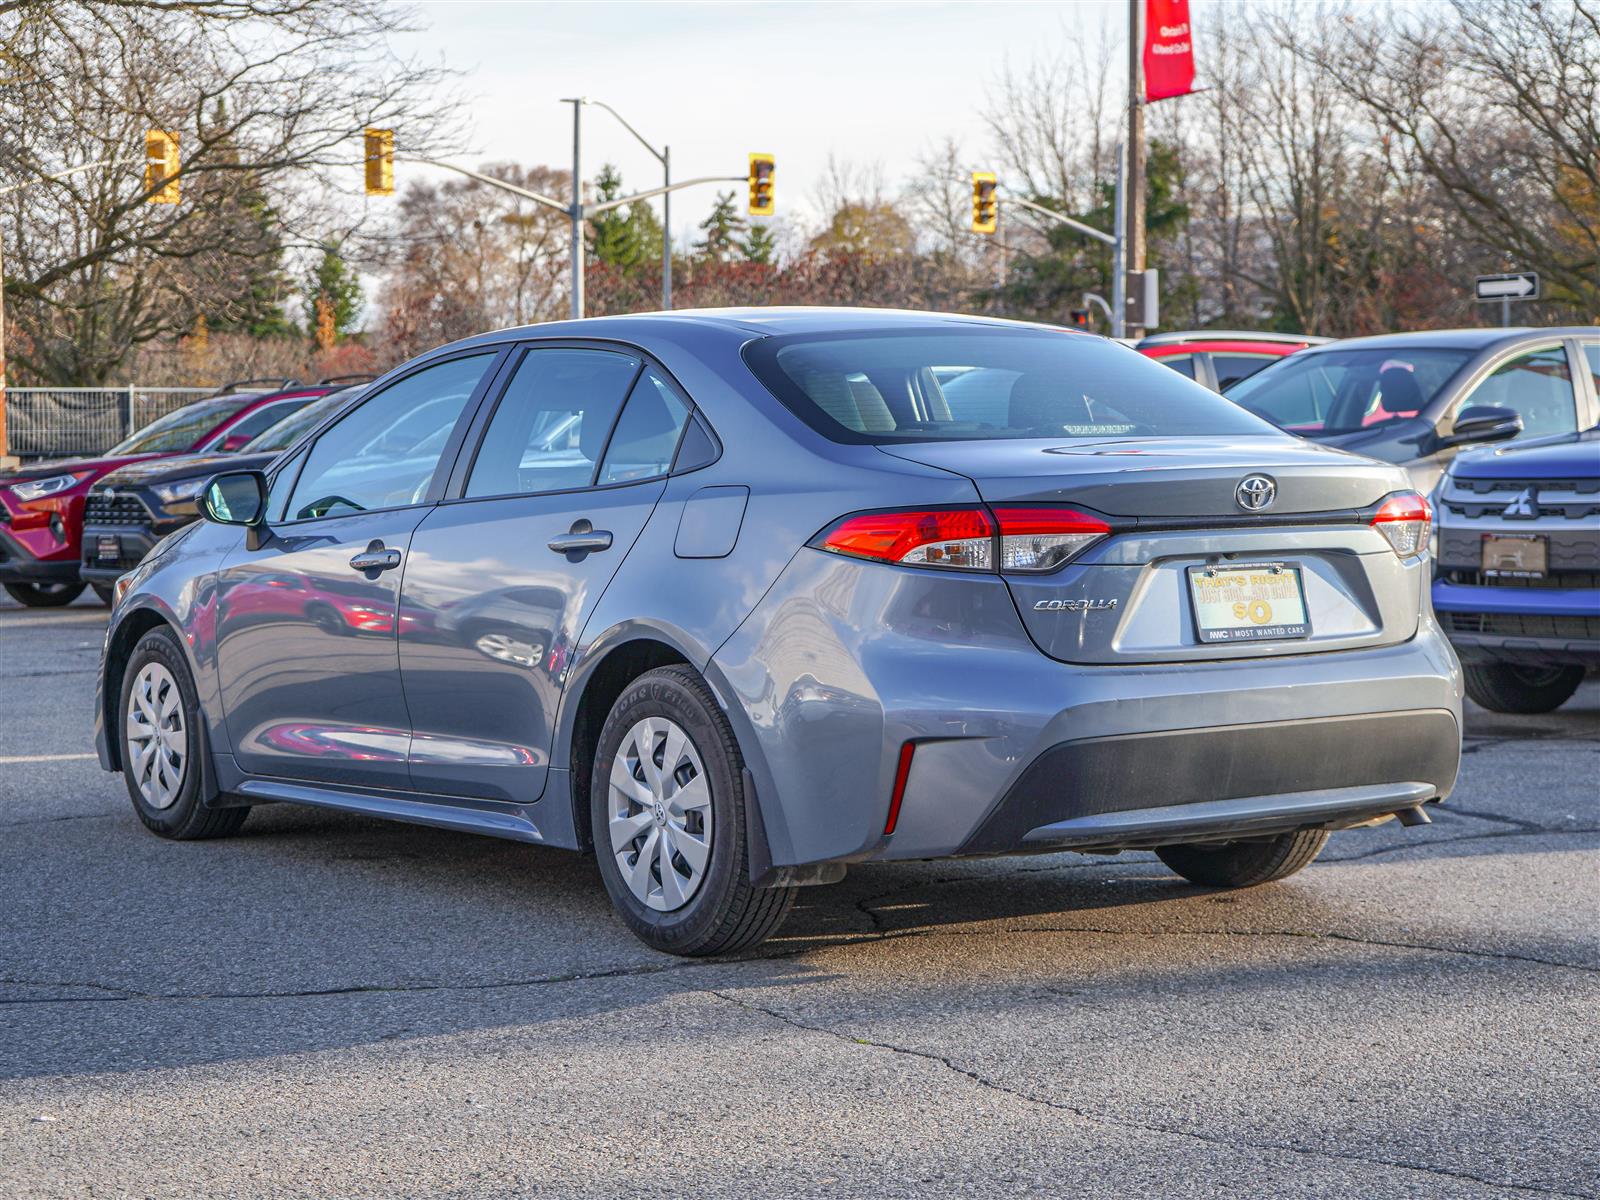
(162, 741)
(1507, 688)
(44, 595)
(1244, 864)
(667, 803)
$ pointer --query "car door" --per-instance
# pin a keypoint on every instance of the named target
(307, 613)
(501, 580)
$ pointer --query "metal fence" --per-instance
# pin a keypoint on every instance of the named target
(45, 422)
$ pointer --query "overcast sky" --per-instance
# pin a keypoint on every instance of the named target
(871, 83)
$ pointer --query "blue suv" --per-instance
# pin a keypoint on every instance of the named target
(1518, 588)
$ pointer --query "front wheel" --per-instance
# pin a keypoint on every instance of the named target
(1506, 688)
(44, 595)
(667, 803)
(1244, 864)
(162, 741)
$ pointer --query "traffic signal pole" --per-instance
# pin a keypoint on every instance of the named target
(1131, 201)
(576, 211)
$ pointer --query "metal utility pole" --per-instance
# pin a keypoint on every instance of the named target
(1119, 249)
(576, 211)
(1131, 203)
(664, 157)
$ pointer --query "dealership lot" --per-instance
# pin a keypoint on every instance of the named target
(328, 1005)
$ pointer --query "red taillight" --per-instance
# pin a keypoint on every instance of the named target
(962, 538)
(902, 772)
(1041, 539)
(1404, 519)
(1013, 538)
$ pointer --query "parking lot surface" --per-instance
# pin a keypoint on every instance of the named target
(327, 1005)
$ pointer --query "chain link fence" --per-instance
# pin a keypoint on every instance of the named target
(46, 422)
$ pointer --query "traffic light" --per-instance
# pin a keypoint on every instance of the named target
(985, 205)
(1078, 318)
(161, 166)
(380, 162)
(762, 169)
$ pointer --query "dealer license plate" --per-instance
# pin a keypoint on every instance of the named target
(1248, 602)
(108, 549)
(1516, 555)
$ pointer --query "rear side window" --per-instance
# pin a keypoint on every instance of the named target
(1183, 364)
(974, 384)
(647, 432)
(1231, 368)
(552, 423)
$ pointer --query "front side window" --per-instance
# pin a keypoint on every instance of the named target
(181, 429)
(1537, 385)
(1344, 391)
(966, 383)
(647, 433)
(551, 425)
(384, 454)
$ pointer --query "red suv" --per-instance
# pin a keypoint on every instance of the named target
(1218, 357)
(41, 503)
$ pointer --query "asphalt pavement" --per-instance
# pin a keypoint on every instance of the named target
(334, 1006)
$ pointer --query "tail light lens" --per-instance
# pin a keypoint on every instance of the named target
(1041, 539)
(1404, 519)
(969, 539)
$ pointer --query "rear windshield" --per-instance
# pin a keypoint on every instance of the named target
(1342, 391)
(977, 384)
(182, 429)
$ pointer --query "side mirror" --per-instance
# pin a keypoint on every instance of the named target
(1481, 423)
(235, 498)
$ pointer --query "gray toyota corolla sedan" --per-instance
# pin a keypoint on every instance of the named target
(736, 599)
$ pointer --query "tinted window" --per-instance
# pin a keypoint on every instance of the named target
(383, 454)
(1183, 364)
(287, 431)
(263, 418)
(1537, 384)
(182, 429)
(278, 494)
(647, 432)
(967, 383)
(1341, 391)
(1231, 368)
(551, 425)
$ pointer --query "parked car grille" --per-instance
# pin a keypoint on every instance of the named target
(1522, 625)
(101, 509)
(1562, 579)
(1574, 499)
(1488, 486)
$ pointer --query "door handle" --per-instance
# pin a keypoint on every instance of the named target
(582, 538)
(375, 558)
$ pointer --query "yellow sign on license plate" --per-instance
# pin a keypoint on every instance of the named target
(1250, 602)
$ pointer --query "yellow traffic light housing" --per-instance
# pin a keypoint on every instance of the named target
(762, 168)
(161, 166)
(985, 204)
(380, 162)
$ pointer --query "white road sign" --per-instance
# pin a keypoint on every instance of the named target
(1519, 285)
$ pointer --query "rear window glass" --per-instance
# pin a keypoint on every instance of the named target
(975, 384)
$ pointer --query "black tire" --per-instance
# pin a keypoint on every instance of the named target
(1244, 864)
(44, 595)
(186, 818)
(107, 593)
(1508, 688)
(725, 914)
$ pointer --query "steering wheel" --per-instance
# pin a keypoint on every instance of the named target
(321, 506)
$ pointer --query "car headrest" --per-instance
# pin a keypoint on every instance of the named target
(1399, 394)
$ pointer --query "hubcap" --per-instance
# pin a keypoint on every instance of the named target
(660, 814)
(157, 742)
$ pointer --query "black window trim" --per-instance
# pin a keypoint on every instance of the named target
(436, 483)
(466, 459)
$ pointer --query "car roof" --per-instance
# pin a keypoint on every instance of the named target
(1228, 335)
(1458, 339)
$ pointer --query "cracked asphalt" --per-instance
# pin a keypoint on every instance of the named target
(333, 1006)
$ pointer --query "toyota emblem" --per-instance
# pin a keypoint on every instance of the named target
(1255, 492)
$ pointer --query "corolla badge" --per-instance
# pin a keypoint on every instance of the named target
(1073, 605)
(1255, 492)
(1525, 504)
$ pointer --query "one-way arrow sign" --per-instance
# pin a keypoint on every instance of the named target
(1519, 285)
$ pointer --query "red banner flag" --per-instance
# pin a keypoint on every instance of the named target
(1168, 49)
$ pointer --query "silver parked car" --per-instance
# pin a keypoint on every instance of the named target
(737, 599)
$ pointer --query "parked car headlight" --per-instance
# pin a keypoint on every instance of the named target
(187, 489)
(38, 489)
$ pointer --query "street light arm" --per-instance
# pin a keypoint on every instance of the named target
(492, 182)
(590, 210)
(105, 162)
(621, 120)
(1086, 230)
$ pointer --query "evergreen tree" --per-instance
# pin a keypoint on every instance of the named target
(332, 294)
(760, 246)
(623, 237)
(254, 302)
(722, 229)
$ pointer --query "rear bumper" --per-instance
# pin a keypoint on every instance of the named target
(1146, 789)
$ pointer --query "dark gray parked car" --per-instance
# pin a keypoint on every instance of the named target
(739, 598)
